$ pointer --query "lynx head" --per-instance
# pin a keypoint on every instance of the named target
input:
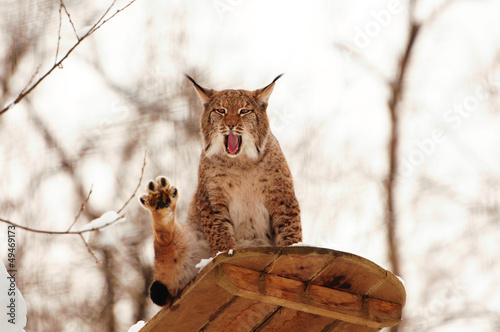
(234, 122)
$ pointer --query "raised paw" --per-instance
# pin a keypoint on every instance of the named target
(160, 195)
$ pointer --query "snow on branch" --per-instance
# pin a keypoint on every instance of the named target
(107, 219)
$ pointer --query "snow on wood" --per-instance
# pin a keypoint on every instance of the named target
(137, 326)
(203, 262)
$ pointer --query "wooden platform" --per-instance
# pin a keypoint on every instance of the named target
(286, 289)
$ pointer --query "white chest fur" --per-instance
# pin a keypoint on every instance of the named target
(249, 214)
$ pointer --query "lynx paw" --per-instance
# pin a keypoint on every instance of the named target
(161, 195)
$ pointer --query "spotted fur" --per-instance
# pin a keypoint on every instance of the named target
(245, 196)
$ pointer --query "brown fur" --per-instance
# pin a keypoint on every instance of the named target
(243, 199)
(174, 252)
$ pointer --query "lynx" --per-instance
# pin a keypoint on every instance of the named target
(245, 195)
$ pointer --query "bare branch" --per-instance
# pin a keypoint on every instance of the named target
(96, 27)
(42, 231)
(57, 64)
(61, 7)
(91, 252)
(59, 32)
(397, 90)
(81, 210)
(32, 78)
(69, 18)
(98, 23)
(138, 185)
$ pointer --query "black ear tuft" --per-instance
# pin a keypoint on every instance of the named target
(262, 95)
(203, 93)
(277, 77)
(194, 83)
(159, 294)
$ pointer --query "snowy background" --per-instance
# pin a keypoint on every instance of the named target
(122, 91)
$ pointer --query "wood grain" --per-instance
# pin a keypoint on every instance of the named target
(312, 298)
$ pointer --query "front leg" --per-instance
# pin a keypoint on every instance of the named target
(216, 223)
(284, 213)
(174, 244)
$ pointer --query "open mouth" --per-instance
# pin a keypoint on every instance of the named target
(233, 143)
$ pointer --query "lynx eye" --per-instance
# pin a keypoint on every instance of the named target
(243, 111)
(221, 111)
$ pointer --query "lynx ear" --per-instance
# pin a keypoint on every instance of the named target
(262, 95)
(204, 94)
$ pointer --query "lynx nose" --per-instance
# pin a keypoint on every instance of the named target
(231, 122)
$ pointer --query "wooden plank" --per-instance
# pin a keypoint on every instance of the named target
(193, 309)
(252, 258)
(314, 299)
(374, 310)
(351, 274)
(242, 315)
(391, 289)
(294, 266)
(287, 319)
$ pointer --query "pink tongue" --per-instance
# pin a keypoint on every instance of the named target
(232, 143)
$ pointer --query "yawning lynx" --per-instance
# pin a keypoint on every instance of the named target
(244, 198)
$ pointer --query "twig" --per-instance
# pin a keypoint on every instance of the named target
(95, 27)
(69, 18)
(59, 32)
(102, 17)
(109, 18)
(138, 185)
(42, 231)
(81, 209)
(61, 7)
(91, 252)
(32, 78)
